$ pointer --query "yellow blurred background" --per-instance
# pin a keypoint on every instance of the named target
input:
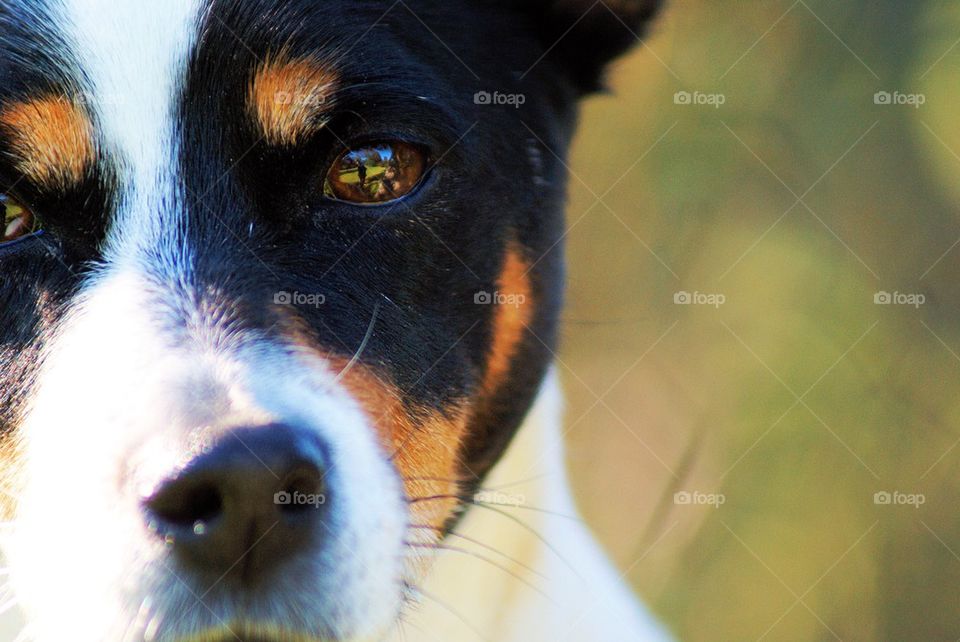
(778, 458)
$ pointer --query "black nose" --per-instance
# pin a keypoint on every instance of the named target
(251, 501)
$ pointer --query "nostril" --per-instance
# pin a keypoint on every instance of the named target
(253, 496)
(186, 504)
(302, 489)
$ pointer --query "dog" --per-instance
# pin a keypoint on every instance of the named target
(280, 284)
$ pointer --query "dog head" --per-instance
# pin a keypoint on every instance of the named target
(278, 282)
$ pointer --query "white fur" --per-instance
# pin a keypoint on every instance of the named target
(114, 414)
(117, 402)
(597, 608)
(116, 405)
(586, 599)
(134, 55)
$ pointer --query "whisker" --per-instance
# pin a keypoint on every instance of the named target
(514, 519)
(483, 558)
(481, 545)
(363, 344)
(536, 534)
(432, 479)
(477, 502)
(420, 629)
(490, 489)
(535, 509)
(449, 609)
(433, 498)
(522, 481)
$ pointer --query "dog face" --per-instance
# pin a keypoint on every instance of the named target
(278, 282)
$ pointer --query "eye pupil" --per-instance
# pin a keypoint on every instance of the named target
(376, 173)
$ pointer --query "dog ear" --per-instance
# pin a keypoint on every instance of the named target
(582, 36)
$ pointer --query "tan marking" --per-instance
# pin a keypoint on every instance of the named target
(425, 445)
(52, 139)
(286, 96)
(513, 313)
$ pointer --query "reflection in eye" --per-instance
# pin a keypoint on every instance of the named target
(18, 220)
(376, 173)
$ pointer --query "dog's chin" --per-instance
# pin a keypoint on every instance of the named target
(233, 634)
(165, 606)
(219, 626)
(266, 633)
(260, 631)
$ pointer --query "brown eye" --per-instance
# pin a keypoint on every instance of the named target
(18, 220)
(376, 173)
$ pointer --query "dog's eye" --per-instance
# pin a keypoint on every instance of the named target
(376, 173)
(18, 220)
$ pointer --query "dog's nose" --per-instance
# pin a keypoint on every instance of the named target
(252, 500)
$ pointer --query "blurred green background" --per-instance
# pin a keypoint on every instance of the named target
(801, 199)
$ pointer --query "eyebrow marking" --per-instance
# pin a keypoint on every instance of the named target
(52, 138)
(287, 95)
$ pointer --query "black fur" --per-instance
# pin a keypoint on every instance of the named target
(260, 224)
